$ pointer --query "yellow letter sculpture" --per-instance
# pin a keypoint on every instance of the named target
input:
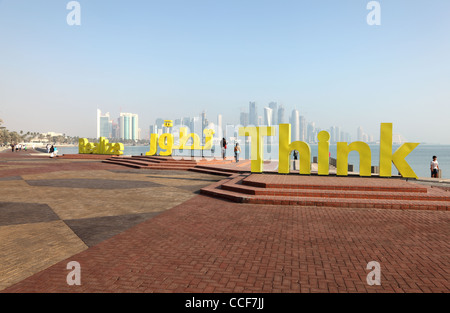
(256, 135)
(153, 144)
(324, 153)
(365, 158)
(165, 142)
(102, 147)
(398, 157)
(285, 148)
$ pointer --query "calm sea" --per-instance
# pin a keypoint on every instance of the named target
(419, 159)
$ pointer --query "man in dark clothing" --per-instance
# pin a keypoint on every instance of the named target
(223, 144)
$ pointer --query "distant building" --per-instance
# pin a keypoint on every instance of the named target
(153, 129)
(115, 133)
(335, 134)
(295, 125)
(268, 116)
(311, 133)
(244, 119)
(281, 119)
(253, 114)
(274, 107)
(52, 134)
(159, 123)
(359, 134)
(129, 126)
(104, 125)
(186, 121)
(219, 126)
(303, 128)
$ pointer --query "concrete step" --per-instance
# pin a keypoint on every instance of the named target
(110, 161)
(152, 159)
(130, 161)
(326, 202)
(217, 168)
(343, 187)
(145, 165)
(236, 185)
(232, 189)
(210, 171)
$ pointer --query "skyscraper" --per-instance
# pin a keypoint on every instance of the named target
(303, 128)
(359, 134)
(129, 126)
(219, 126)
(253, 114)
(311, 133)
(268, 116)
(204, 121)
(153, 129)
(115, 130)
(281, 115)
(244, 119)
(335, 134)
(295, 125)
(104, 125)
(274, 107)
(186, 121)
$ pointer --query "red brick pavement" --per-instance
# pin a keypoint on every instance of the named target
(210, 245)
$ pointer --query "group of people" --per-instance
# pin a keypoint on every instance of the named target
(237, 149)
(18, 147)
(52, 150)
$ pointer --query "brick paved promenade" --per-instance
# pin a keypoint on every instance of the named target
(117, 224)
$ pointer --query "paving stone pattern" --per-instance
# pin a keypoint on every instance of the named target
(164, 237)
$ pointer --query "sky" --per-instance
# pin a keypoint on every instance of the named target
(176, 58)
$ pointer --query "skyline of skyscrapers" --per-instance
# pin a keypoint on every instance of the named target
(127, 127)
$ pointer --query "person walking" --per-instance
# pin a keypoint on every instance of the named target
(237, 151)
(434, 167)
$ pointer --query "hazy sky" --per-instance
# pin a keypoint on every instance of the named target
(174, 58)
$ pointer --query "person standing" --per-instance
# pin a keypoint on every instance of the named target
(295, 158)
(12, 147)
(434, 167)
(223, 144)
(237, 150)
